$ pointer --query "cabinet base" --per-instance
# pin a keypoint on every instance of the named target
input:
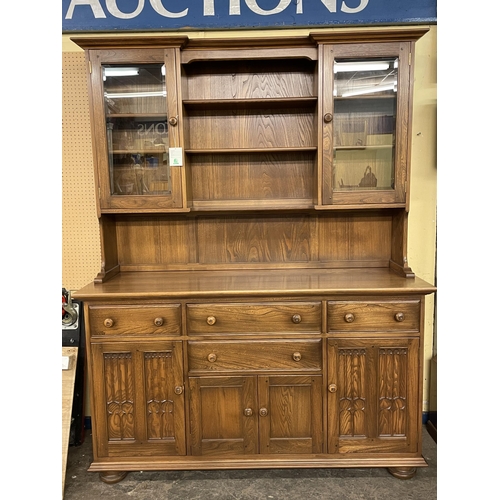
(401, 468)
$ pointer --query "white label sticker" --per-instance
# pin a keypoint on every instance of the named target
(175, 155)
(65, 362)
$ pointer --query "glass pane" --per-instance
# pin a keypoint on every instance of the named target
(137, 129)
(365, 98)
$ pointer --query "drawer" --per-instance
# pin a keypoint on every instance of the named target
(374, 316)
(135, 320)
(262, 317)
(254, 355)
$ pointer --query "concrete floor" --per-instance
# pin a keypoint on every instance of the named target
(279, 484)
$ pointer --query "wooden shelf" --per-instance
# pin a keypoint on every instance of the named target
(249, 150)
(377, 146)
(137, 115)
(366, 97)
(138, 151)
(243, 205)
(270, 103)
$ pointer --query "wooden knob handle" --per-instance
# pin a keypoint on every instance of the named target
(158, 321)
(328, 117)
(399, 316)
(173, 121)
(179, 389)
(108, 322)
(296, 318)
(248, 412)
(263, 412)
(296, 356)
(332, 388)
(349, 318)
(212, 357)
(211, 320)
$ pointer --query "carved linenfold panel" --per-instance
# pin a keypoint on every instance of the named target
(119, 390)
(393, 390)
(159, 403)
(353, 392)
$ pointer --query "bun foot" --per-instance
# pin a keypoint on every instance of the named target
(112, 477)
(403, 472)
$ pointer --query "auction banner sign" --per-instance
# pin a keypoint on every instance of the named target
(164, 15)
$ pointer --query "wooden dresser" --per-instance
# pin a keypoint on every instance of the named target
(255, 307)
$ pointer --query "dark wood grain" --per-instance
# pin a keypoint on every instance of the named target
(256, 315)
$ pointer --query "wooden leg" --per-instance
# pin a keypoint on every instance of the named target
(403, 472)
(112, 477)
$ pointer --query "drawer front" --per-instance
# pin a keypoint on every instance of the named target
(254, 355)
(245, 318)
(135, 320)
(376, 316)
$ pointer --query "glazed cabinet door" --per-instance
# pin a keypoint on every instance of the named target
(256, 414)
(136, 125)
(138, 397)
(373, 402)
(365, 107)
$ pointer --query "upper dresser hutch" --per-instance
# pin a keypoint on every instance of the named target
(255, 306)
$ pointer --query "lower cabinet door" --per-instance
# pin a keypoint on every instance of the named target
(223, 415)
(138, 399)
(256, 414)
(373, 397)
(290, 414)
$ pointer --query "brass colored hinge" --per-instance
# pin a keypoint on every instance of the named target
(90, 67)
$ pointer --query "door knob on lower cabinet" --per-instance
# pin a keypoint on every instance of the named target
(263, 412)
(248, 412)
(332, 388)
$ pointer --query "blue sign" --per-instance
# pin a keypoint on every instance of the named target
(163, 15)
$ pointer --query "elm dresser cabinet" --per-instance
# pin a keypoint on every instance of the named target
(255, 307)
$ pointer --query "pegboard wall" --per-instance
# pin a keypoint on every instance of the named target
(81, 254)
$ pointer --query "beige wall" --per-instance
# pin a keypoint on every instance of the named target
(80, 232)
(422, 218)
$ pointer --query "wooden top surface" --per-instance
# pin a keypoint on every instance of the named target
(244, 283)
